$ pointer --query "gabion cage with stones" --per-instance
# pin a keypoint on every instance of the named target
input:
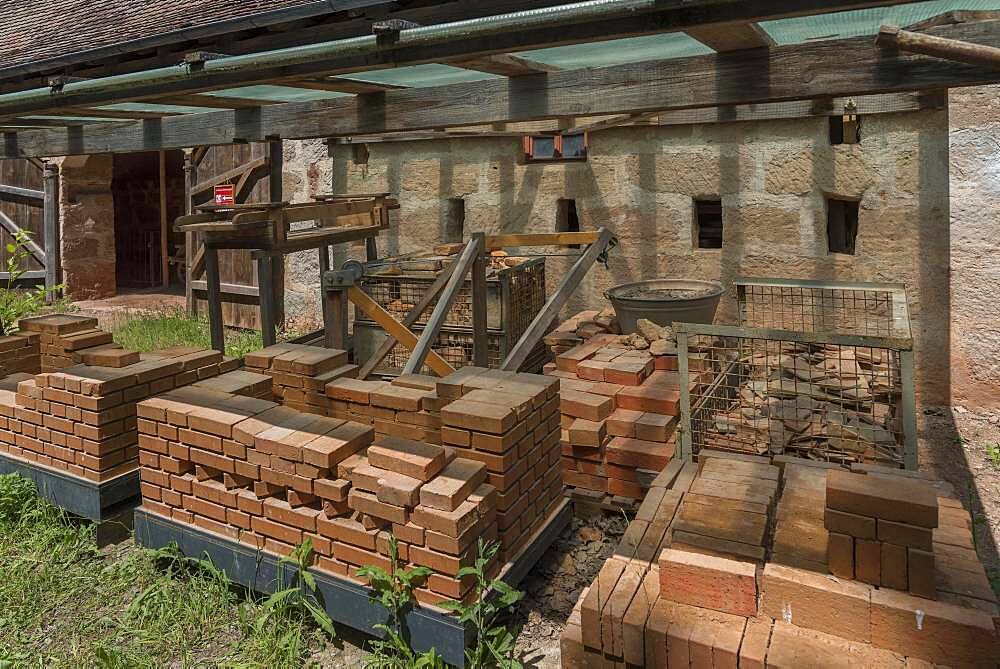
(805, 375)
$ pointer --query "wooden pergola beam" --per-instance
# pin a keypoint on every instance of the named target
(731, 36)
(338, 85)
(827, 69)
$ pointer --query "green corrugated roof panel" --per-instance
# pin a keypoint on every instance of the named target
(269, 93)
(418, 76)
(860, 22)
(618, 51)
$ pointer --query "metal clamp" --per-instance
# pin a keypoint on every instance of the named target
(345, 277)
(603, 257)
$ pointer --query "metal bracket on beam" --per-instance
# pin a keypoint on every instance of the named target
(56, 83)
(387, 30)
(350, 272)
(195, 60)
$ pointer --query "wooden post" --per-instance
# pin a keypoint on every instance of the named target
(190, 176)
(424, 344)
(50, 222)
(275, 167)
(480, 341)
(335, 318)
(214, 299)
(265, 292)
(540, 325)
(164, 225)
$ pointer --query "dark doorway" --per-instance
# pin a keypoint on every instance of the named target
(135, 187)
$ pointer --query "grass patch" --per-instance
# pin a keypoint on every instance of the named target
(152, 332)
(64, 603)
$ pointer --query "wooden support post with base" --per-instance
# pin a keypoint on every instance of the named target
(214, 299)
(50, 221)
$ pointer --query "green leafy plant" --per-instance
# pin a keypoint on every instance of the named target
(993, 452)
(494, 642)
(300, 595)
(17, 302)
(394, 590)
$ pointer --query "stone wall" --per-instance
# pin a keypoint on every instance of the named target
(772, 178)
(974, 159)
(86, 217)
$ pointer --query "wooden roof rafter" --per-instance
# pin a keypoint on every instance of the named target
(735, 36)
(504, 65)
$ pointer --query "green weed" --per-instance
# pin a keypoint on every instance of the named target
(64, 603)
(993, 453)
(151, 332)
(18, 302)
(394, 589)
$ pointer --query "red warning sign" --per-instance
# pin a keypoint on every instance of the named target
(225, 194)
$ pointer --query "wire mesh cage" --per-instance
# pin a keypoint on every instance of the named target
(513, 296)
(809, 378)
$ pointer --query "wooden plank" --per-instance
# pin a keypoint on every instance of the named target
(505, 65)
(541, 323)
(495, 242)
(13, 228)
(731, 36)
(806, 71)
(400, 332)
(214, 299)
(339, 85)
(473, 249)
(480, 342)
(313, 239)
(23, 195)
(164, 224)
(231, 289)
(229, 175)
(190, 174)
(50, 228)
(274, 192)
(408, 320)
(265, 292)
(939, 47)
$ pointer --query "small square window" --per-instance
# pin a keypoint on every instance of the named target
(708, 224)
(841, 226)
(556, 147)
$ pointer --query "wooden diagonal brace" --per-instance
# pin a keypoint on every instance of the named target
(540, 325)
(8, 224)
(402, 333)
(939, 47)
(411, 317)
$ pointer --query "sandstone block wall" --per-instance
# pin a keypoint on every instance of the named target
(772, 178)
(86, 214)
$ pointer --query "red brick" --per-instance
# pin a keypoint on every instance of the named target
(709, 582)
(398, 489)
(905, 535)
(816, 601)
(634, 620)
(649, 398)
(894, 574)
(453, 484)
(860, 527)
(868, 561)
(337, 445)
(369, 504)
(331, 489)
(840, 555)
(639, 454)
(585, 405)
(920, 573)
(410, 458)
(902, 500)
(947, 634)
(280, 531)
(753, 650)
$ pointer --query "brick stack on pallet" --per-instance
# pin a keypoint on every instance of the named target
(510, 423)
(581, 327)
(271, 477)
(620, 405)
(62, 335)
(82, 419)
(20, 354)
(300, 373)
(406, 407)
(882, 531)
(703, 608)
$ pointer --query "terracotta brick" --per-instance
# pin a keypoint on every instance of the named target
(639, 454)
(369, 504)
(411, 458)
(840, 555)
(587, 433)
(586, 405)
(655, 427)
(861, 527)
(944, 633)
(478, 416)
(331, 489)
(398, 489)
(621, 423)
(816, 601)
(868, 561)
(453, 484)
(634, 620)
(920, 573)
(748, 528)
(592, 370)
(597, 598)
(902, 500)
(894, 572)
(613, 614)
(456, 436)
(651, 399)
(331, 449)
(709, 582)
(905, 535)
(279, 531)
(756, 637)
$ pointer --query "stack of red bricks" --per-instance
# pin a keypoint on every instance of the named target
(61, 335)
(300, 373)
(510, 423)
(271, 477)
(727, 509)
(406, 407)
(882, 530)
(706, 609)
(20, 354)
(619, 411)
(82, 419)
